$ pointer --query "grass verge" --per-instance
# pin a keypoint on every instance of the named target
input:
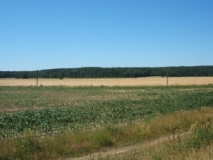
(78, 143)
(195, 146)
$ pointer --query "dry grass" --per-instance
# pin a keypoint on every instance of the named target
(148, 81)
(172, 148)
(165, 151)
(80, 143)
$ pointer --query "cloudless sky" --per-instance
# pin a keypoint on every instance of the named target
(47, 34)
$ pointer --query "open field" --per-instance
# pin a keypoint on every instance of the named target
(54, 121)
(148, 81)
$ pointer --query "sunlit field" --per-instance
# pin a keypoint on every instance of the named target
(148, 81)
(59, 121)
(53, 120)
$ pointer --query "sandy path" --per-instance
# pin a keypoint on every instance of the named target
(116, 151)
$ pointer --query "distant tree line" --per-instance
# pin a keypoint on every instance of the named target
(97, 72)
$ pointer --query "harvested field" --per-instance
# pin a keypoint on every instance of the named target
(148, 81)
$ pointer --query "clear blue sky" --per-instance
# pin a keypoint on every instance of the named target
(46, 34)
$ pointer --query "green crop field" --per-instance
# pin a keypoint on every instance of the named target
(62, 121)
(62, 109)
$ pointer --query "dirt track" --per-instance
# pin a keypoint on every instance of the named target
(121, 150)
(148, 81)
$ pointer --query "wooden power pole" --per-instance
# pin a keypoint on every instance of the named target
(37, 78)
(167, 78)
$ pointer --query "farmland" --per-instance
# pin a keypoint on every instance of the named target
(51, 111)
(148, 81)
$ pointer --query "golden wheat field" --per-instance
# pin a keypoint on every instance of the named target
(148, 81)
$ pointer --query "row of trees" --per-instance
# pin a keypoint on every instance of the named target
(97, 72)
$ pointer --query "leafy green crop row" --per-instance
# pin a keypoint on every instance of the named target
(89, 106)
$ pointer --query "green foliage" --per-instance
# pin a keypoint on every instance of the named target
(201, 137)
(27, 146)
(102, 139)
(87, 108)
(97, 72)
(77, 143)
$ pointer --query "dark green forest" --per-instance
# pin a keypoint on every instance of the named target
(98, 72)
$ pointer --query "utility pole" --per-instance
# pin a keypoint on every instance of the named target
(167, 78)
(37, 78)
